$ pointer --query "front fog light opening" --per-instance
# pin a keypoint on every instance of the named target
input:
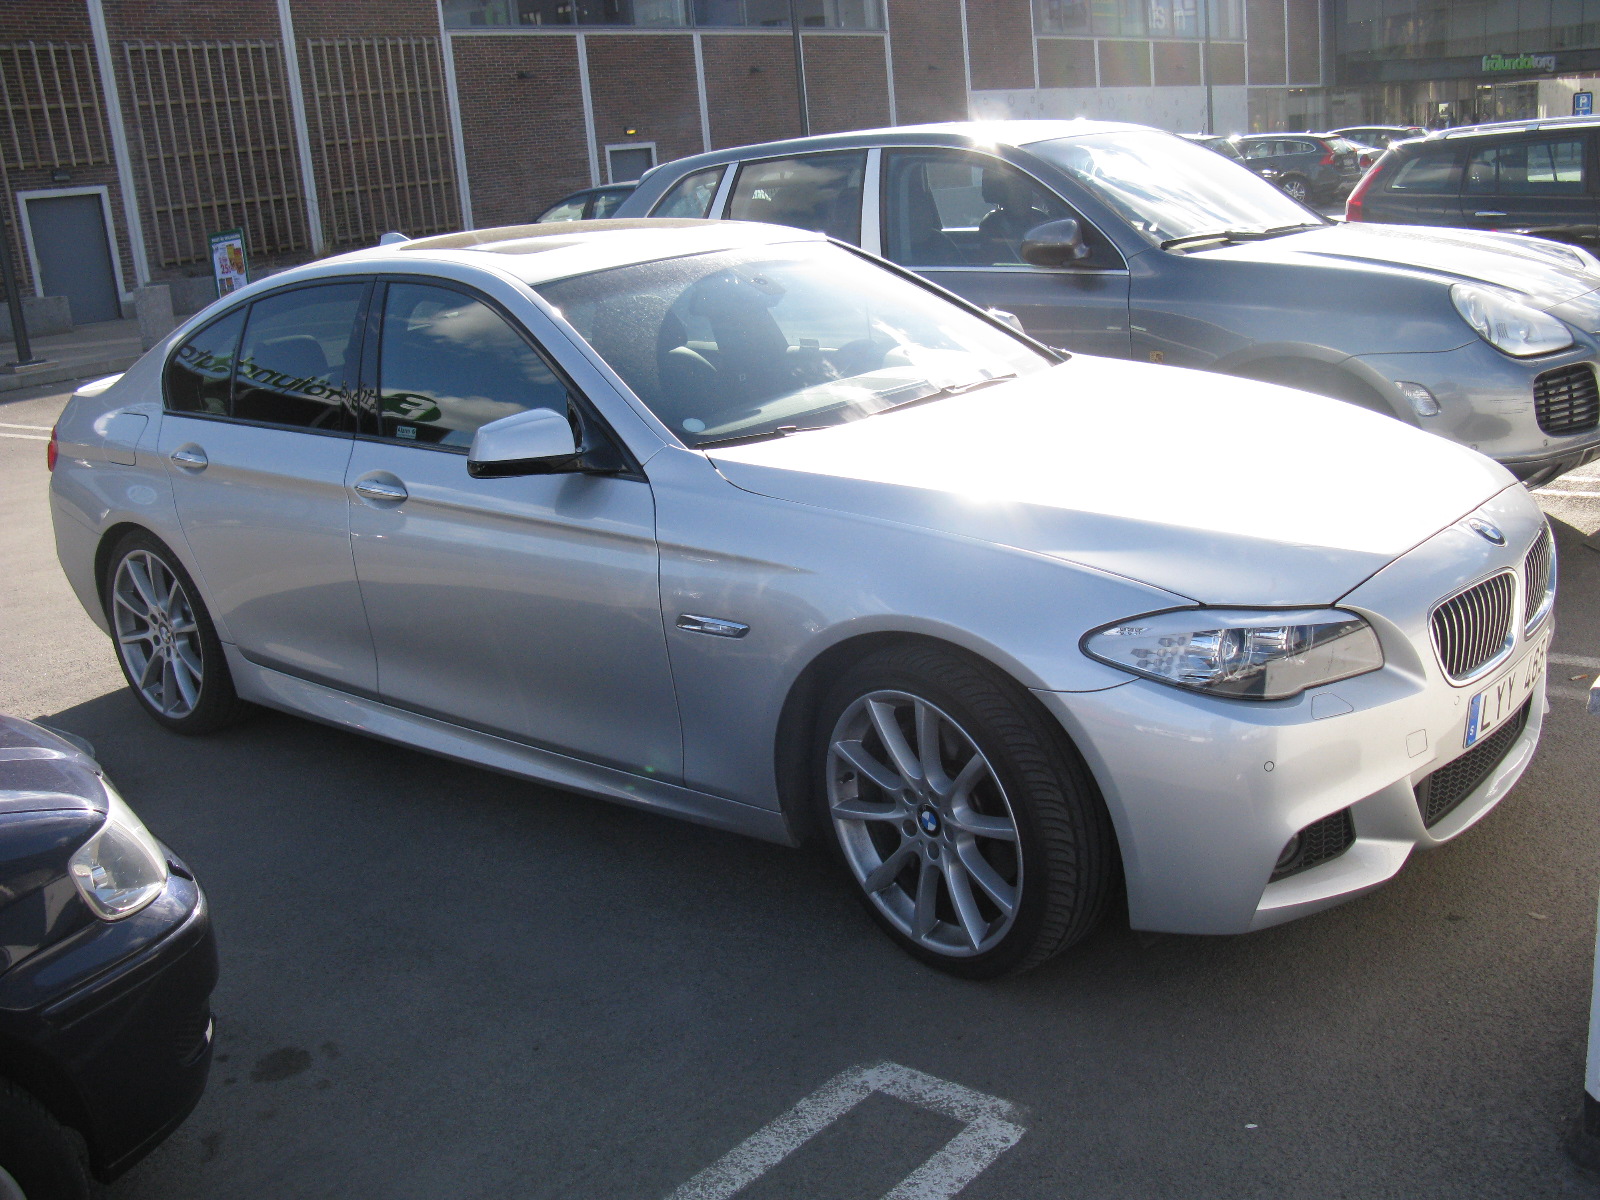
(1319, 842)
(1422, 401)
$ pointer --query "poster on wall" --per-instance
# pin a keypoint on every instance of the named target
(228, 261)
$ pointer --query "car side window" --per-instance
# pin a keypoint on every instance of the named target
(1431, 173)
(820, 192)
(570, 209)
(949, 208)
(1260, 149)
(200, 371)
(691, 196)
(292, 361)
(449, 363)
(605, 203)
(1547, 167)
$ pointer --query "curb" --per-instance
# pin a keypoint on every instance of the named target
(63, 372)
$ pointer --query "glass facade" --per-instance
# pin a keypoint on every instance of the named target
(1379, 30)
(1141, 18)
(757, 14)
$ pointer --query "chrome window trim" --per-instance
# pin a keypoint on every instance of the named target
(1510, 642)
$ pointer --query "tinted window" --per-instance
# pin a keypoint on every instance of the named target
(199, 373)
(1260, 149)
(605, 203)
(449, 363)
(570, 209)
(691, 196)
(814, 191)
(1432, 173)
(292, 361)
(948, 208)
(1545, 168)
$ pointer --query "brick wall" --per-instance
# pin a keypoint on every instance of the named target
(847, 85)
(1177, 63)
(1305, 42)
(1124, 64)
(523, 136)
(1000, 33)
(1265, 25)
(1066, 62)
(363, 18)
(930, 80)
(62, 21)
(1226, 64)
(750, 88)
(189, 20)
(646, 83)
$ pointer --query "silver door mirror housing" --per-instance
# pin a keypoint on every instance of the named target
(538, 441)
(1006, 318)
(1054, 244)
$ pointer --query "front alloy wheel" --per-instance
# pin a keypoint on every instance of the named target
(968, 821)
(925, 825)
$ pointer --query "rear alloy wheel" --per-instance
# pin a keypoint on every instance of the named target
(166, 644)
(973, 831)
(1296, 188)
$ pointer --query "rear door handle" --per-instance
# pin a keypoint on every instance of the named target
(381, 489)
(191, 457)
(1488, 214)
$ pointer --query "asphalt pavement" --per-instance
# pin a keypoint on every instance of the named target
(439, 982)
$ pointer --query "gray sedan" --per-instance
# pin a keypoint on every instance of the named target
(732, 523)
(1148, 247)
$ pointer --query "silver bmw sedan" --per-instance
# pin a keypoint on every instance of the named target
(737, 524)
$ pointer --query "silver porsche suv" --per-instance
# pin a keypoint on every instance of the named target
(736, 524)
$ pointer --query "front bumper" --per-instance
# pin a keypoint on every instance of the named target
(1486, 401)
(1205, 793)
(116, 1023)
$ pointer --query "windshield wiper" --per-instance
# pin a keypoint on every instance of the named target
(954, 389)
(745, 438)
(1240, 235)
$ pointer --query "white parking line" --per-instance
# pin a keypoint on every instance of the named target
(25, 437)
(13, 425)
(1576, 660)
(992, 1128)
(1553, 492)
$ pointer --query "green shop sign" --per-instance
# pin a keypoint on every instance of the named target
(1519, 62)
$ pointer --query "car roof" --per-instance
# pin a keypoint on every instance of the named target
(1531, 125)
(553, 250)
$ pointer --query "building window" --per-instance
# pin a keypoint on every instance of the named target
(756, 14)
(1140, 18)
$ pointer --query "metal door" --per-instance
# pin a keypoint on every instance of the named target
(68, 234)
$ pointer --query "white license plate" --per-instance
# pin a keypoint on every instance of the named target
(1500, 701)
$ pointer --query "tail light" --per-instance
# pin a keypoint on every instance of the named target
(1327, 160)
(52, 450)
(1353, 206)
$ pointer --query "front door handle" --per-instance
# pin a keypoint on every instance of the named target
(380, 489)
(1488, 214)
(191, 457)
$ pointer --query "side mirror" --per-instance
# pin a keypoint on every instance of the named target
(536, 442)
(1054, 244)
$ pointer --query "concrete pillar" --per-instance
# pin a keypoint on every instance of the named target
(153, 307)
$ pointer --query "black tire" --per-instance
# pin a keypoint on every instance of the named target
(47, 1160)
(1063, 862)
(187, 638)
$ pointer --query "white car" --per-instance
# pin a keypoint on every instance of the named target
(737, 524)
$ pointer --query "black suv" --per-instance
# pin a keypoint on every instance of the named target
(1516, 176)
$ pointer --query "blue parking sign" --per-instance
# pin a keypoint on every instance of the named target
(1582, 104)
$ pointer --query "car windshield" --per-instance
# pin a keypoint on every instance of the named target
(1167, 188)
(763, 341)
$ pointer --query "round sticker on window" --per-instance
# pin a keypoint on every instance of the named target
(693, 425)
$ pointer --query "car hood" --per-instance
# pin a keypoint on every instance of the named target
(1222, 490)
(41, 771)
(1549, 274)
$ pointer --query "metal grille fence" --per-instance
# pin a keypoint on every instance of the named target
(380, 133)
(51, 106)
(216, 147)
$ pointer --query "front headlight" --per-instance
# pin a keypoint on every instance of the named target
(1505, 322)
(121, 868)
(1241, 654)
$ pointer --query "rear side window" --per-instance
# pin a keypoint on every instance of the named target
(201, 370)
(570, 209)
(821, 192)
(449, 363)
(1430, 173)
(1549, 167)
(691, 196)
(293, 358)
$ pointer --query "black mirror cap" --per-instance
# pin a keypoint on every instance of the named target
(598, 457)
(1054, 244)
